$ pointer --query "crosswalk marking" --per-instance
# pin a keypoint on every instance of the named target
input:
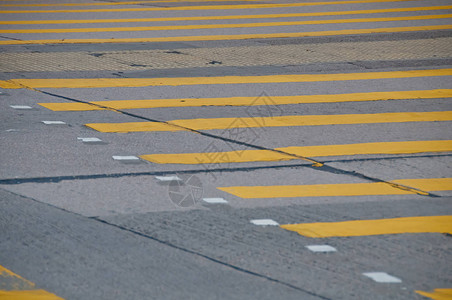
(405, 147)
(228, 17)
(180, 81)
(428, 224)
(202, 7)
(21, 288)
(250, 101)
(340, 189)
(28, 295)
(229, 37)
(112, 3)
(222, 26)
(276, 121)
(437, 294)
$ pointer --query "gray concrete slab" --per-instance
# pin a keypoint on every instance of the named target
(78, 258)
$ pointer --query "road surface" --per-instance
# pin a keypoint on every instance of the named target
(191, 149)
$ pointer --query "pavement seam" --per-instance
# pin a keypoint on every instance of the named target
(237, 268)
(53, 179)
(316, 165)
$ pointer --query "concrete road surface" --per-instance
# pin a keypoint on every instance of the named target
(192, 149)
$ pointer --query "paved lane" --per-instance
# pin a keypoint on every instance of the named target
(225, 149)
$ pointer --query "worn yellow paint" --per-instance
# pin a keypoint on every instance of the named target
(250, 101)
(4, 272)
(277, 121)
(229, 37)
(112, 3)
(342, 189)
(202, 7)
(229, 17)
(437, 294)
(440, 224)
(179, 81)
(28, 295)
(223, 26)
(23, 291)
(405, 147)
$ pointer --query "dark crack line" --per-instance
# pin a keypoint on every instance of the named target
(316, 165)
(223, 263)
(9, 38)
(168, 244)
(54, 179)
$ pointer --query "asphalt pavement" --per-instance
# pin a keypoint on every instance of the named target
(191, 149)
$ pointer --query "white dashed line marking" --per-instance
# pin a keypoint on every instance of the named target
(53, 122)
(89, 139)
(11, 130)
(264, 222)
(214, 200)
(321, 248)
(20, 106)
(168, 178)
(126, 157)
(382, 277)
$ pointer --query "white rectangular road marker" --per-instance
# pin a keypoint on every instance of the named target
(89, 139)
(20, 106)
(321, 248)
(53, 122)
(264, 222)
(382, 277)
(168, 178)
(214, 200)
(126, 157)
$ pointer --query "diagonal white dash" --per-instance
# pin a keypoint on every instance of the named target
(382, 277)
(321, 248)
(53, 122)
(214, 200)
(264, 222)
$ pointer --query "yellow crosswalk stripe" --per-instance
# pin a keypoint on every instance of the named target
(112, 3)
(4, 272)
(20, 288)
(228, 17)
(223, 26)
(437, 294)
(229, 37)
(28, 295)
(427, 224)
(341, 189)
(405, 147)
(202, 7)
(179, 81)
(276, 121)
(250, 101)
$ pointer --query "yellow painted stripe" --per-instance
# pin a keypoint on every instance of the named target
(277, 121)
(406, 147)
(439, 224)
(217, 26)
(205, 7)
(4, 272)
(437, 294)
(24, 284)
(342, 189)
(179, 81)
(231, 17)
(113, 3)
(251, 101)
(28, 295)
(229, 37)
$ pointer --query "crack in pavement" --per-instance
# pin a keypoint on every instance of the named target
(229, 265)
